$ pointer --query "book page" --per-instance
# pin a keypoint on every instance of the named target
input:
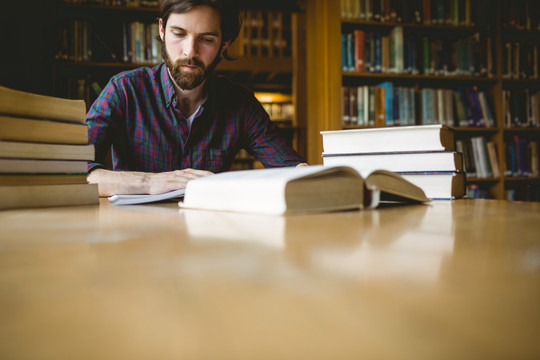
(131, 199)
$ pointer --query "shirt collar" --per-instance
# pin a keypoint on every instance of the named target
(167, 84)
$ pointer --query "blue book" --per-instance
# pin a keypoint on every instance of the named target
(388, 102)
(428, 111)
(344, 65)
(378, 52)
(350, 52)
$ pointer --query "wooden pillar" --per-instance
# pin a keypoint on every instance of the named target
(323, 72)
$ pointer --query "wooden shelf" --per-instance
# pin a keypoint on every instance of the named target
(325, 80)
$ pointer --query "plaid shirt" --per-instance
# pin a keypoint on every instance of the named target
(137, 114)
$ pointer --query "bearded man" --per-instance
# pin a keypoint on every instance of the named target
(178, 120)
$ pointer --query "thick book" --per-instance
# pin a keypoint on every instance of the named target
(398, 161)
(42, 179)
(28, 150)
(291, 190)
(26, 104)
(438, 185)
(132, 199)
(437, 137)
(30, 196)
(43, 166)
(40, 130)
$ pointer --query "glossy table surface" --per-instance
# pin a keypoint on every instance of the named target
(449, 280)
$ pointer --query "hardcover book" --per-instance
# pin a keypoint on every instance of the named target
(40, 130)
(28, 150)
(28, 196)
(438, 185)
(437, 137)
(25, 104)
(417, 161)
(316, 188)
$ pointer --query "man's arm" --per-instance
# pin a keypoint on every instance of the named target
(134, 182)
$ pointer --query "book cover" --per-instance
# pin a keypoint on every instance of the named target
(344, 53)
(42, 179)
(31, 196)
(359, 40)
(387, 102)
(42, 166)
(37, 130)
(439, 185)
(436, 137)
(418, 161)
(26, 104)
(27, 150)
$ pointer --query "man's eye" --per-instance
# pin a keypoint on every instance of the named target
(208, 40)
(179, 34)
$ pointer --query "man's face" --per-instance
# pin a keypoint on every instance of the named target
(192, 44)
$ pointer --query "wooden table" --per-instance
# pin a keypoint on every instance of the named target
(449, 280)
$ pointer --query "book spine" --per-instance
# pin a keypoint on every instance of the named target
(359, 43)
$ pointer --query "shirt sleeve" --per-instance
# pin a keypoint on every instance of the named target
(101, 122)
(264, 141)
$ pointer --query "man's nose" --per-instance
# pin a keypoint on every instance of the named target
(190, 48)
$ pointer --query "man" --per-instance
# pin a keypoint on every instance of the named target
(179, 121)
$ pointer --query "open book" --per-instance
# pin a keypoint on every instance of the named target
(132, 199)
(314, 188)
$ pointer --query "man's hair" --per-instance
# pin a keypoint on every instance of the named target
(231, 16)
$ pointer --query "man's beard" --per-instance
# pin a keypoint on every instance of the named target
(188, 80)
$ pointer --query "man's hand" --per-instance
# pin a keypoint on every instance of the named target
(158, 183)
(133, 182)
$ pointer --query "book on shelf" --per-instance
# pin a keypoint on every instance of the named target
(133, 199)
(521, 108)
(417, 161)
(395, 52)
(464, 146)
(480, 157)
(522, 15)
(265, 33)
(30, 196)
(491, 148)
(30, 105)
(28, 150)
(452, 107)
(359, 41)
(140, 43)
(42, 179)
(438, 185)
(437, 137)
(521, 158)
(292, 190)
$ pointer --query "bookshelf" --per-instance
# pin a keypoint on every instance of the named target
(480, 49)
(98, 39)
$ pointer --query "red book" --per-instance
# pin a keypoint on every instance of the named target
(359, 50)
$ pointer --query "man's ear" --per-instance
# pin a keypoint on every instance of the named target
(225, 46)
(161, 29)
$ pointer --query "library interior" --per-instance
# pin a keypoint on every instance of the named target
(443, 93)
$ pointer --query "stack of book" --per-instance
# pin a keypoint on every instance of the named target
(425, 155)
(44, 151)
